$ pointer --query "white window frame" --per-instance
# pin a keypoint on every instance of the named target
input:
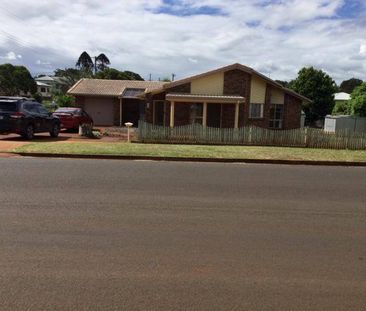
(261, 112)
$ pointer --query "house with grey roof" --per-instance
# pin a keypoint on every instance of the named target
(47, 85)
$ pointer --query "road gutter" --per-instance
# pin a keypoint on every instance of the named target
(191, 159)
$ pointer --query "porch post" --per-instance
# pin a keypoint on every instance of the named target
(236, 115)
(120, 112)
(172, 104)
(204, 119)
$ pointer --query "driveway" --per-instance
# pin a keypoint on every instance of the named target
(137, 235)
(11, 141)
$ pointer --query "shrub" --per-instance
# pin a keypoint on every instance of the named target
(342, 108)
(64, 101)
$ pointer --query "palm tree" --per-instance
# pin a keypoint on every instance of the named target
(101, 62)
(85, 62)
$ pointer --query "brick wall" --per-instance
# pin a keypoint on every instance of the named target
(292, 112)
(183, 88)
(149, 106)
(238, 82)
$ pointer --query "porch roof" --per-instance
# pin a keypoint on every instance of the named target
(180, 97)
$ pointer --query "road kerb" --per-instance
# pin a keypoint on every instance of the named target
(192, 159)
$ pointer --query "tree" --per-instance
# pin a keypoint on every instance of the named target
(85, 62)
(348, 86)
(64, 100)
(341, 108)
(133, 75)
(101, 62)
(317, 86)
(283, 83)
(358, 101)
(72, 75)
(114, 74)
(15, 80)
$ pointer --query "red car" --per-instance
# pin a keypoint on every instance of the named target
(72, 118)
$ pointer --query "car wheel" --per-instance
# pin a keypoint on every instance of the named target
(55, 130)
(29, 132)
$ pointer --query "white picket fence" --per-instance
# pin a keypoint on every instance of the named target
(302, 137)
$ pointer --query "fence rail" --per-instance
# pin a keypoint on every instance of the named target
(256, 136)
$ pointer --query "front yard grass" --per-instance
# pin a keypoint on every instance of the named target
(193, 151)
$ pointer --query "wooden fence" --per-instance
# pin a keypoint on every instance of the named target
(256, 136)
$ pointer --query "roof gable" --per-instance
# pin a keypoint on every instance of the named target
(235, 66)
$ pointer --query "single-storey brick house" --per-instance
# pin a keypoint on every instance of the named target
(228, 97)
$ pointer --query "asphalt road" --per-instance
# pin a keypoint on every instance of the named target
(129, 235)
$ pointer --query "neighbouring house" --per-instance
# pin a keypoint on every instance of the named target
(113, 102)
(228, 97)
(48, 85)
(44, 89)
(341, 97)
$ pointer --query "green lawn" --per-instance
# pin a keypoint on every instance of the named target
(240, 152)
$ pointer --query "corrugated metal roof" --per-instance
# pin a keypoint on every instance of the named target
(42, 84)
(342, 96)
(113, 88)
(208, 98)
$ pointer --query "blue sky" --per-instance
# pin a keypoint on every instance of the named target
(186, 37)
(180, 8)
(351, 9)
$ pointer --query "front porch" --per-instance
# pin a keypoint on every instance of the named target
(206, 110)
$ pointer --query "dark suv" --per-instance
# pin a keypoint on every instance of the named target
(25, 117)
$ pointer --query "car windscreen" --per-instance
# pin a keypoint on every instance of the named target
(8, 106)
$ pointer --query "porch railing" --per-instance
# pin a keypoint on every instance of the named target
(256, 136)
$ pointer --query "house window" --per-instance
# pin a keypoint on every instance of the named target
(43, 90)
(133, 93)
(196, 113)
(276, 116)
(256, 111)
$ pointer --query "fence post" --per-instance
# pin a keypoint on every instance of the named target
(348, 137)
(306, 137)
(250, 135)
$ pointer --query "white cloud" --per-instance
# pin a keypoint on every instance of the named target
(11, 56)
(277, 38)
(363, 49)
(39, 62)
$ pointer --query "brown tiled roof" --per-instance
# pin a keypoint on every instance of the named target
(113, 88)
